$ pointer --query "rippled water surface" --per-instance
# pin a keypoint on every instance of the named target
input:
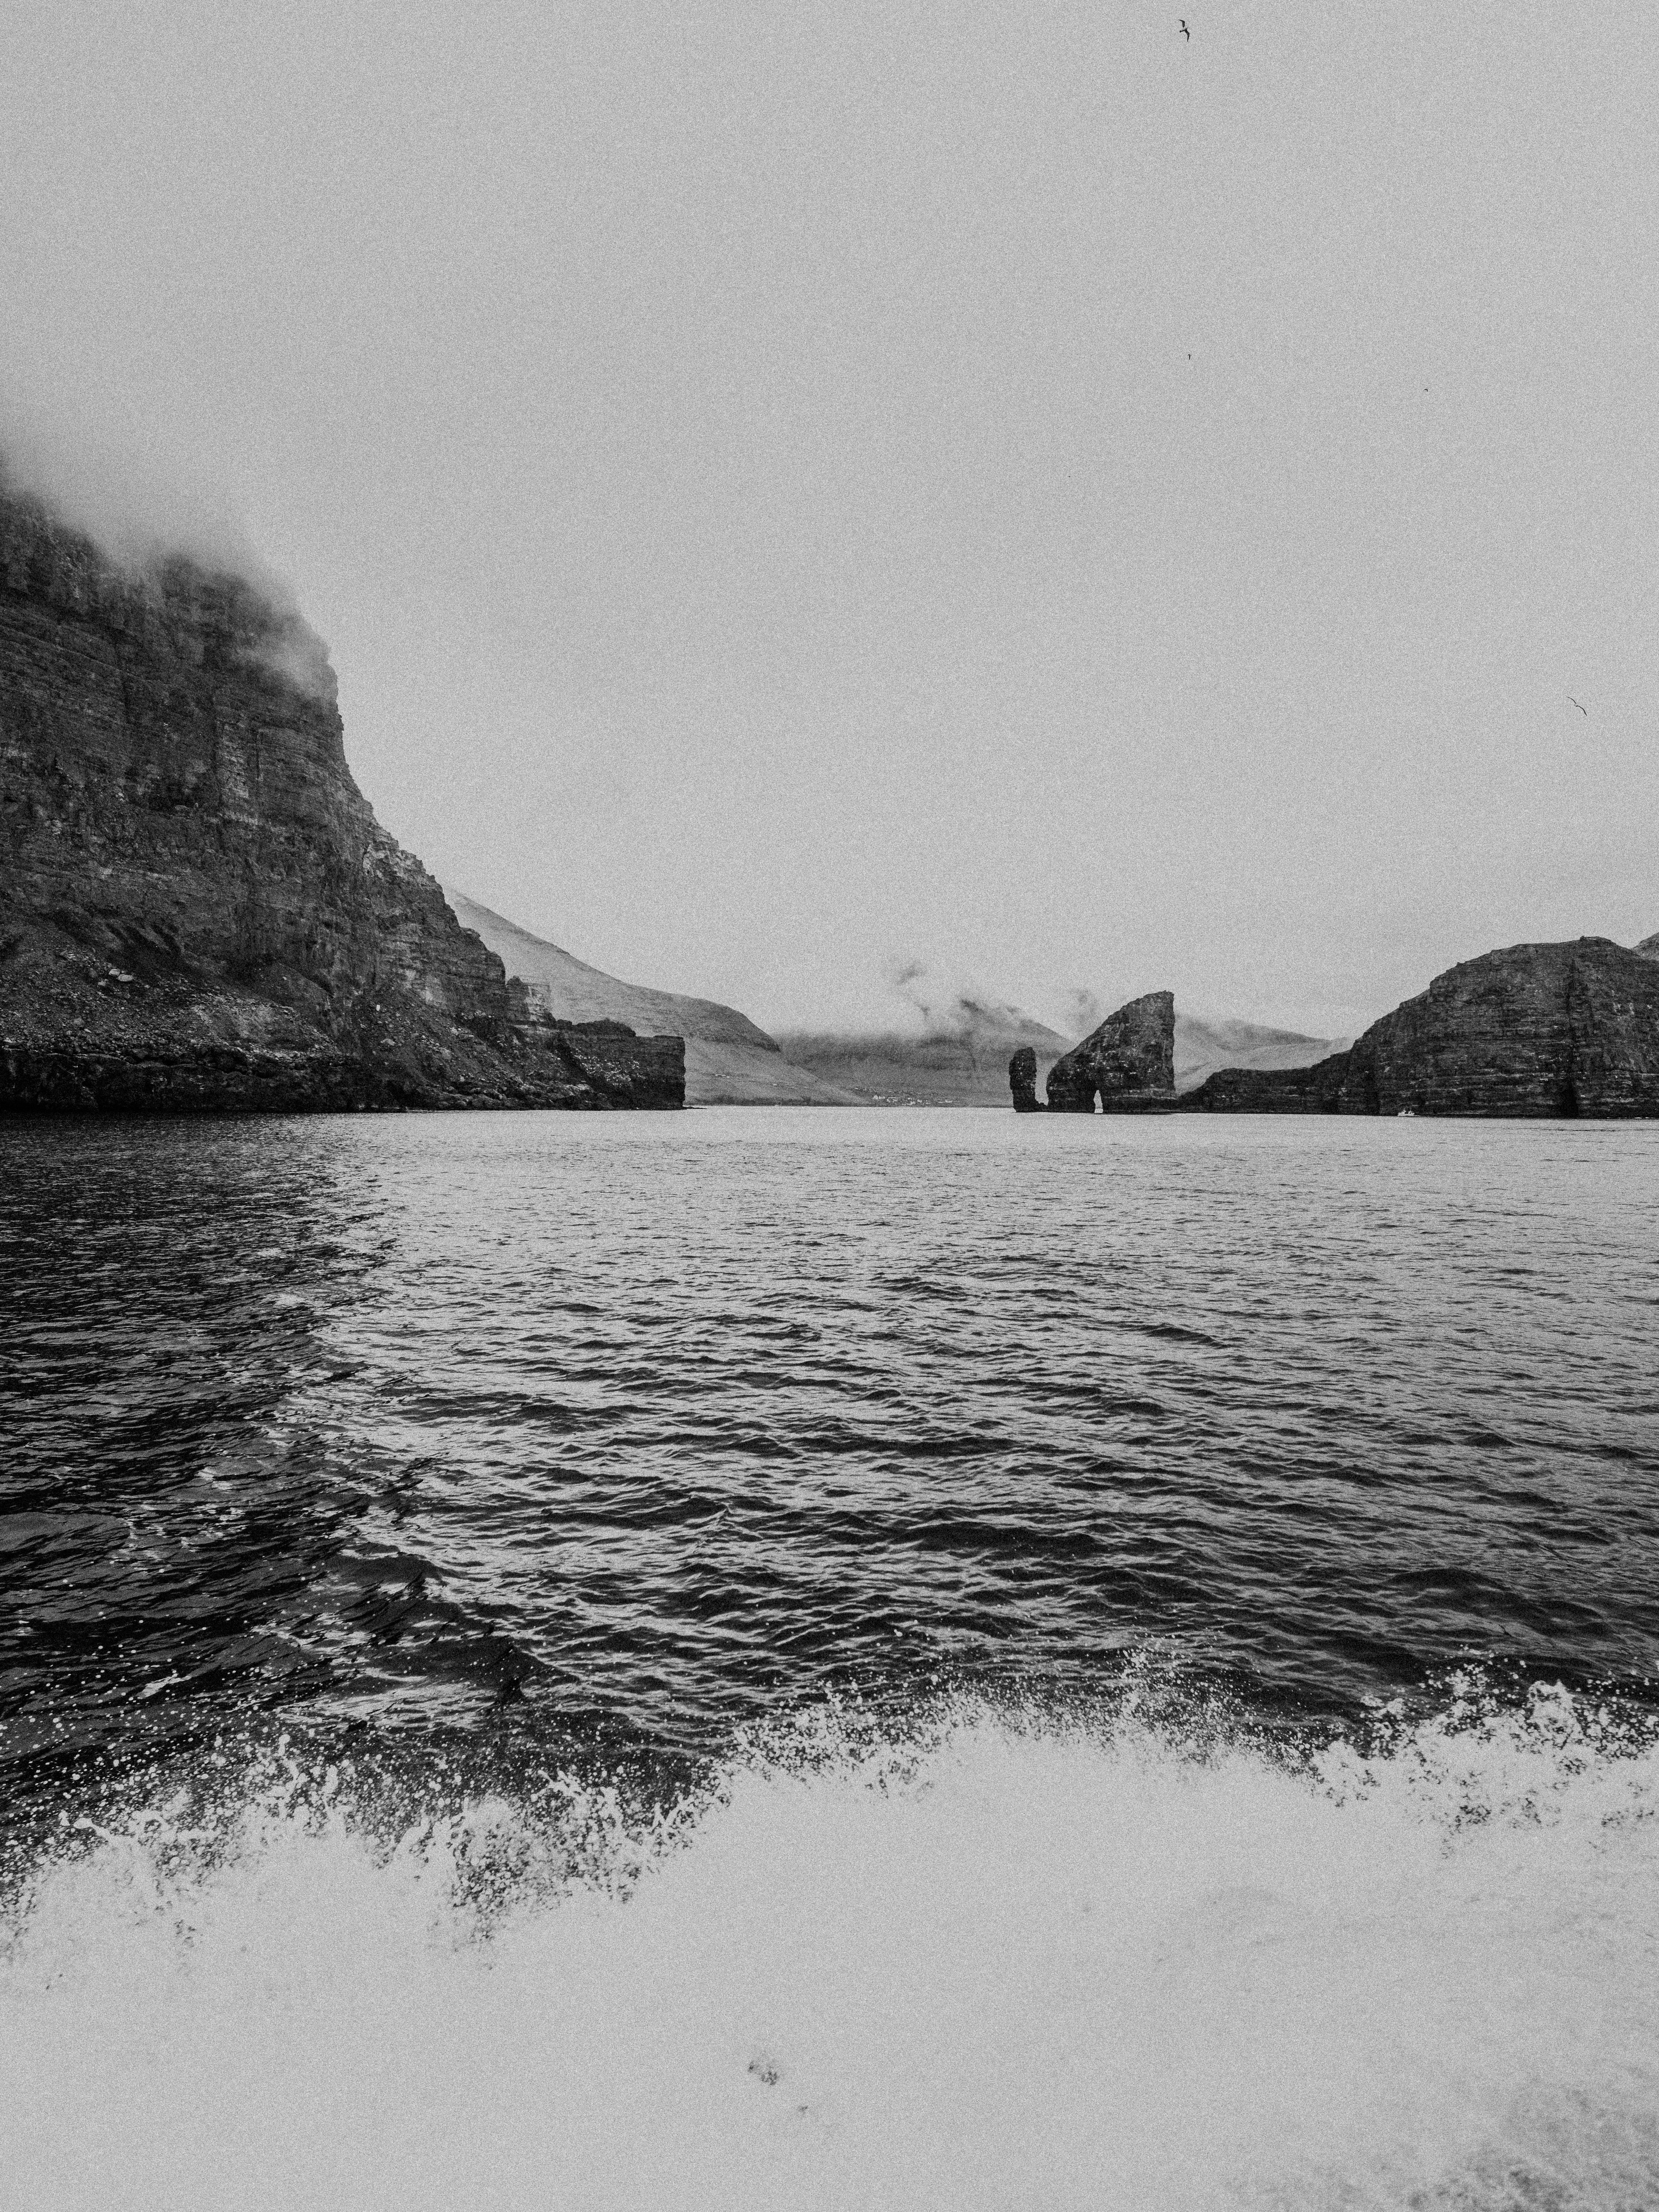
(658, 1421)
(933, 1558)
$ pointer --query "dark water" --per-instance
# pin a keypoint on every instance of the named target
(656, 1423)
(1196, 1584)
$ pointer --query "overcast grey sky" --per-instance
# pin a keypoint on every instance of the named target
(791, 489)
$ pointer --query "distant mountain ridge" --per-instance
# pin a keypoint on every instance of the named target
(729, 1060)
(584, 993)
(1202, 1046)
(961, 1067)
(967, 1065)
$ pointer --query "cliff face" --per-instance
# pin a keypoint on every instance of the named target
(198, 908)
(1532, 1032)
(1129, 1061)
(1535, 1030)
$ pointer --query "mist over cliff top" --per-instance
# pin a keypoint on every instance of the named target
(140, 507)
(161, 531)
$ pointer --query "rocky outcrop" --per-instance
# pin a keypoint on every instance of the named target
(1534, 1030)
(198, 908)
(1319, 1089)
(1022, 1081)
(1128, 1062)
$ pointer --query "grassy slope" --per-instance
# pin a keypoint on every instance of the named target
(729, 1060)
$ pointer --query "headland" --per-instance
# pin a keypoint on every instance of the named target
(199, 910)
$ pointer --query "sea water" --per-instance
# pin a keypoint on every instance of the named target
(780, 1657)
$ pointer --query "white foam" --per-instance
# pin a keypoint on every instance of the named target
(1008, 1964)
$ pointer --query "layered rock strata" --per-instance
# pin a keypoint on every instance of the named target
(1532, 1032)
(197, 907)
(1128, 1063)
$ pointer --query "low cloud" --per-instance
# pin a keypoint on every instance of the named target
(1085, 1010)
(138, 509)
(143, 512)
(944, 1008)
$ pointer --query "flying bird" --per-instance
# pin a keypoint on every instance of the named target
(1584, 711)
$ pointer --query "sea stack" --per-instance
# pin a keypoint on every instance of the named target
(1022, 1081)
(1128, 1063)
(198, 909)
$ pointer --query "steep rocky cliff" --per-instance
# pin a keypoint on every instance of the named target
(1128, 1062)
(1532, 1030)
(198, 908)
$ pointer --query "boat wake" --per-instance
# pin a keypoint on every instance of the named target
(992, 1960)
